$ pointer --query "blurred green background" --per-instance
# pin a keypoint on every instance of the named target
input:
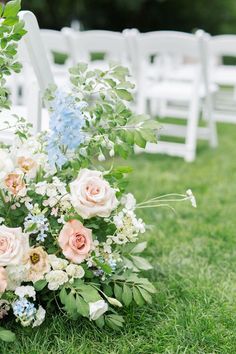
(214, 16)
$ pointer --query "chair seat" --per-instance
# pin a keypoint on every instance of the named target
(174, 90)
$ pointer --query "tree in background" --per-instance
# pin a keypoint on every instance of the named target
(215, 16)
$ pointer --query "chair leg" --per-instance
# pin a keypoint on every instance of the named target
(213, 136)
(192, 126)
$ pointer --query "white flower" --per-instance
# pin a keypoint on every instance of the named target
(57, 263)
(14, 244)
(192, 199)
(97, 309)
(41, 188)
(39, 317)
(75, 271)
(91, 195)
(118, 220)
(56, 278)
(16, 275)
(24, 291)
(6, 164)
(128, 201)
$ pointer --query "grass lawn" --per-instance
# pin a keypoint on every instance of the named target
(194, 258)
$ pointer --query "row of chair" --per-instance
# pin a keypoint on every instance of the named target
(176, 74)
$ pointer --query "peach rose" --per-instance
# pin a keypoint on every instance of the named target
(38, 262)
(3, 280)
(75, 241)
(27, 165)
(14, 183)
(13, 245)
(91, 195)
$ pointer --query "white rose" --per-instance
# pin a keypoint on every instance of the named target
(57, 263)
(14, 244)
(75, 271)
(56, 278)
(91, 195)
(97, 309)
(6, 164)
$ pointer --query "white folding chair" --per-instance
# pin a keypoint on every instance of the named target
(56, 42)
(109, 45)
(152, 45)
(33, 54)
(223, 75)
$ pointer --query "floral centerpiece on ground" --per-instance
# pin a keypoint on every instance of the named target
(69, 232)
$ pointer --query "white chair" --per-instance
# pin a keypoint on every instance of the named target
(57, 42)
(223, 75)
(36, 67)
(162, 44)
(110, 45)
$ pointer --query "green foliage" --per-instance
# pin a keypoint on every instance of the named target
(11, 31)
(6, 335)
(146, 15)
(130, 288)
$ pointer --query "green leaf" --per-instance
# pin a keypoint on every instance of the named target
(12, 8)
(89, 293)
(145, 283)
(138, 297)
(124, 94)
(40, 285)
(70, 304)
(145, 294)
(149, 135)
(63, 295)
(100, 322)
(82, 306)
(1, 9)
(6, 335)
(118, 292)
(127, 295)
(139, 140)
(141, 263)
(140, 247)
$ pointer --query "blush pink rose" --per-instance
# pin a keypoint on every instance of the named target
(75, 241)
(91, 195)
(3, 280)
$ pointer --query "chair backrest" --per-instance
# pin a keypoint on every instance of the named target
(165, 48)
(222, 45)
(36, 50)
(55, 42)
(111, 44)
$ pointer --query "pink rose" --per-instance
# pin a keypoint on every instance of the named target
(3, 280)
(75, 241)
(13, 245)
(91, 195)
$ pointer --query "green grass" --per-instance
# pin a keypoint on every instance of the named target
(194, 258)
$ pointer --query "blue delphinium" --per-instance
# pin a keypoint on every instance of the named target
(66, 124)
(24, 310)
(37, 224)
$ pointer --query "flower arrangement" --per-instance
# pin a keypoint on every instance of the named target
(69, 232)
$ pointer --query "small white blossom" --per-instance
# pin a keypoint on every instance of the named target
(57, 263)
(56, 278)
(39, 317)
(25, 291)
(75, 271)
(192, 199)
